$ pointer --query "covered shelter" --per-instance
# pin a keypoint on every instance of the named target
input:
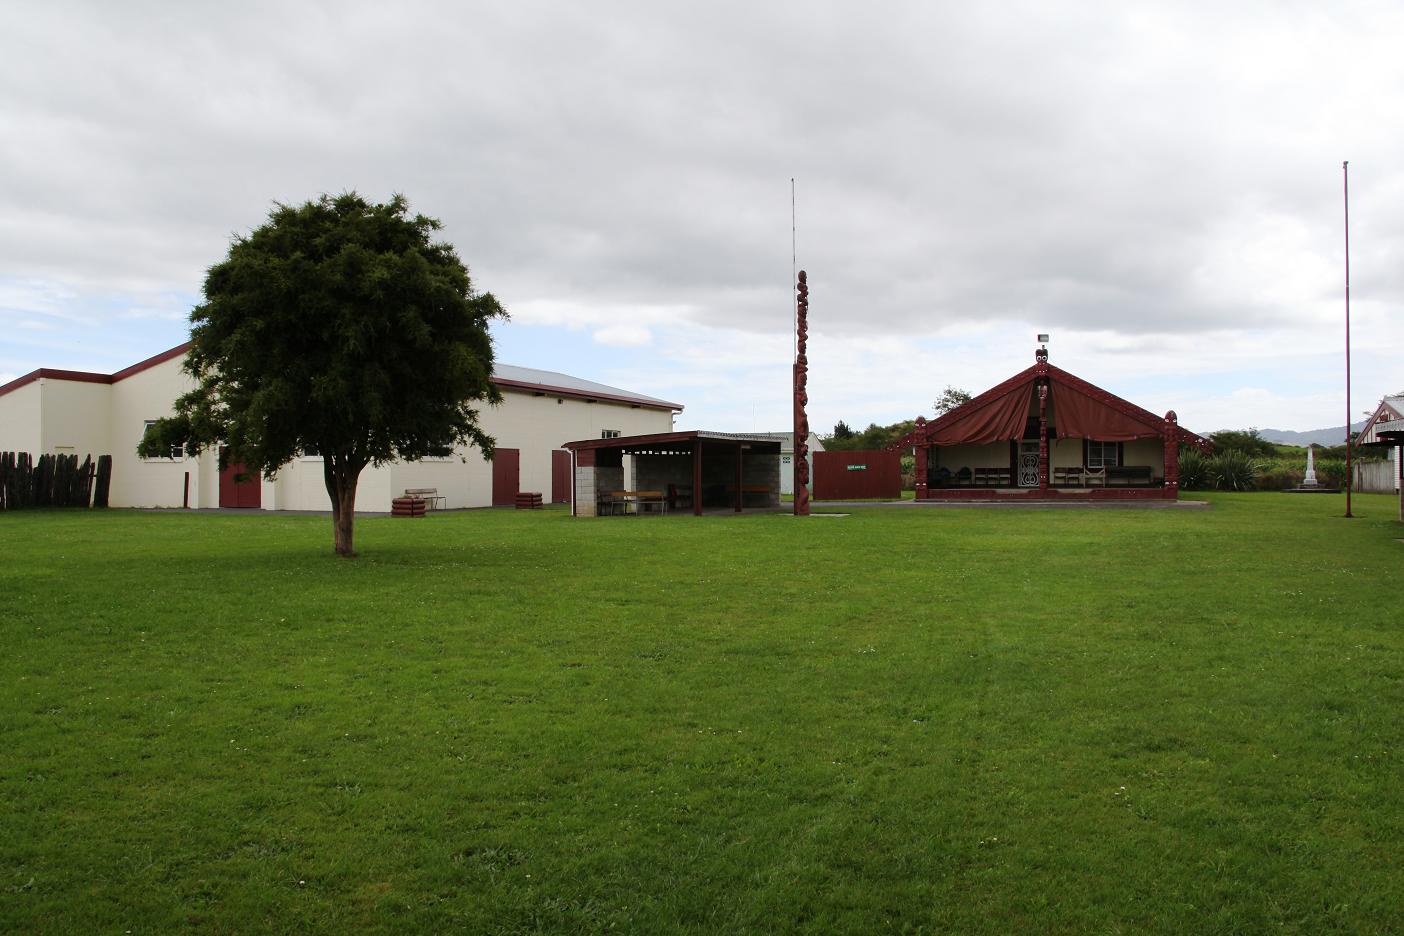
(692, 470)
(1047, 434)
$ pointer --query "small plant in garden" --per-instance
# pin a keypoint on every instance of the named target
(1233, 471)
(1193, 470)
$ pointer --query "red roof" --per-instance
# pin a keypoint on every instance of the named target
(1084, 411)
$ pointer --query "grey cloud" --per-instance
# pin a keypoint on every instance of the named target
(955, 163)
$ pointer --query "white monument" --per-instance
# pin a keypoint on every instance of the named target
(1310, 480)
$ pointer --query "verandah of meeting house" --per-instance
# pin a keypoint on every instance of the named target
(691, 471)
(1045, 433)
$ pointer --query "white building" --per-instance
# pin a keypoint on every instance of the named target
(83, 413)
(1386, 415)
(787, 457)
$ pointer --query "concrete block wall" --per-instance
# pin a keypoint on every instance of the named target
(656, 472)
(763, 469)
(585, 502)
(590, 483)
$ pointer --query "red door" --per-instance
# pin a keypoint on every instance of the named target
(506, 475)
(238, 491)
(560, 477)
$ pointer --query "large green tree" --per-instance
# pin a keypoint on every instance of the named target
(342, 328)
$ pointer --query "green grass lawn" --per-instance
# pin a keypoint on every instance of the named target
(500, 721)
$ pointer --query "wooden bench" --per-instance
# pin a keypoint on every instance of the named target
(1129, 475)
(993, 477)
(615, 503)
(431, 497)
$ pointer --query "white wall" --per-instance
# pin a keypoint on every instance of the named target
(534, 425)
(75, 417)
(156, 482)
(101, 418)
(20, 422)
(538, 425)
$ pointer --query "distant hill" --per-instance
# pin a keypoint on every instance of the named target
(1312, 437)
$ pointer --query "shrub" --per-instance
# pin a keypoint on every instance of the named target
(1233, 471)
(1193, 470)
(1279, 475)
(1331, 472)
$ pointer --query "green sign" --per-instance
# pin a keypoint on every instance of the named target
(857, 467)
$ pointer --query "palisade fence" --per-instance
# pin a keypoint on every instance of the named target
(53, 481)
(1376, 477)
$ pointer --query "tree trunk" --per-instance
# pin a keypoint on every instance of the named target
(341, 480)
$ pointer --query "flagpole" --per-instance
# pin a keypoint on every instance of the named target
(1345, 182)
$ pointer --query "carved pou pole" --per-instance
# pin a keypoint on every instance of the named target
(801, 375)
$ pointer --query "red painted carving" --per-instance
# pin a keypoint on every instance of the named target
(922, 452)
(1043, 431)
(801, 464)
(1172, 454)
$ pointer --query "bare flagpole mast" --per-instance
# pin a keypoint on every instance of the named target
(1345, 182)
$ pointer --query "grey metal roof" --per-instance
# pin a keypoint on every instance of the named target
(787, 440)
(740, 436)
(554, 380)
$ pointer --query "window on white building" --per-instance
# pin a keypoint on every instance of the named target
(610, 433)
(175, 454)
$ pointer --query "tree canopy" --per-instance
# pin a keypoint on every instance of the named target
(341, 328)
(1248, 441)
(950, 398)
(871, 438)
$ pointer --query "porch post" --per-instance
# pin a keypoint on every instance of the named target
(922, 454)
(697, 478)
(1172, 456)
(1043, 438)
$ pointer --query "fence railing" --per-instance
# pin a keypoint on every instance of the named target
(53, 481)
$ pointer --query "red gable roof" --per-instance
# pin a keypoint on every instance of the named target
(1084, 410)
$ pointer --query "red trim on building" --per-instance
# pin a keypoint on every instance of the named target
(51, 373)
(1024, 494)
(180, 349)
(54, 374)
(151, 362)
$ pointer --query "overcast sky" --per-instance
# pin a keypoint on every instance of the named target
(1158, 186)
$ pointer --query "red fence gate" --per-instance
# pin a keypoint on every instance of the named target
(853, 475)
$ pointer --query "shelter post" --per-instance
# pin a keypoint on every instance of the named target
(740, 475)
(697, 478)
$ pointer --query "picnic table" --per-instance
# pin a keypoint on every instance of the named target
(621, 503)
